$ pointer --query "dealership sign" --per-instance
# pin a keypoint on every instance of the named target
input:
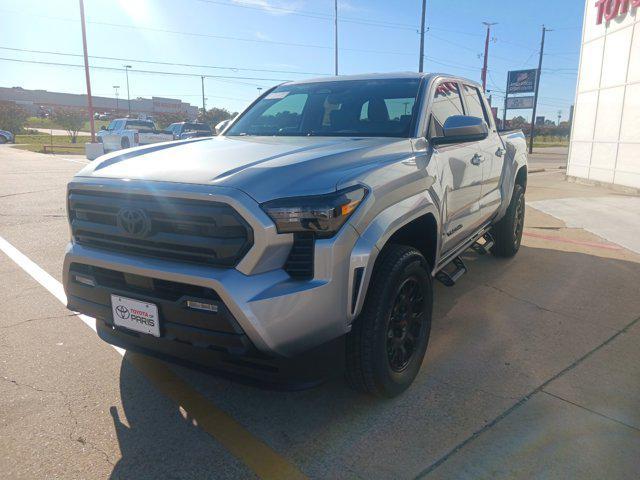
(515, 103)
(521, 81)
(611, 9)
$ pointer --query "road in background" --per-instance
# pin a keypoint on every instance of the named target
(549, 158)
(533, 370)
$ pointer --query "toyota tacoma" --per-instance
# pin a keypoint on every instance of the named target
(306, 237)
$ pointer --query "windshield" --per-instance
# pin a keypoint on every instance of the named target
(355, 108)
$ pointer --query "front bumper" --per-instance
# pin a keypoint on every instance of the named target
(278, 315)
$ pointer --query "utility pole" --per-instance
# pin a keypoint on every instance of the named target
(424, 13)
(126, 71)
(535, 95)
(336, 34)
(115, 88)
(86, 73)
(559, 116)
(486, 55)
(204, 107)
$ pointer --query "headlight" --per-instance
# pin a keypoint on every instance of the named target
(321, 214)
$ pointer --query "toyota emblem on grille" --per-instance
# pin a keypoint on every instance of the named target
(134, 221)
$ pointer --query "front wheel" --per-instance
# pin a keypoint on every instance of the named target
(388, 341)
(507, 233)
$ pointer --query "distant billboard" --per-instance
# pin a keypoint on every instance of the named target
(540, 121)
(515, 103)
(521, 81)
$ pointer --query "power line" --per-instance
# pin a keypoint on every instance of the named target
(310, 14)
(210, 35)
(152, 72)
(155, 62)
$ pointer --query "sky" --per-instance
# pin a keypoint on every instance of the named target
(245, 45)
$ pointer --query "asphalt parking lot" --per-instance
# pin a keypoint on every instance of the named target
(533, 369)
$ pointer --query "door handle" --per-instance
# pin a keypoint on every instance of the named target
(499, 152)
(477, 160)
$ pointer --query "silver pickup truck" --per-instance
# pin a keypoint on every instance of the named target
(306, 237)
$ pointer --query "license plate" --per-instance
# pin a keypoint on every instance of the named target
(135, 315)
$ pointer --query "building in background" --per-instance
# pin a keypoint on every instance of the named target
(605, 139)
(36, 101)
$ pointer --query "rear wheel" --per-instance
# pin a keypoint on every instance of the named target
(2, 139)
(507, 233)
(125, 143)
(387, 343)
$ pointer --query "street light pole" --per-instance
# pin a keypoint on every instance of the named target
(335, 22)
(486, 55)
(204, 108)
(126, 71)
(115, 88)
(421, 60)
(86, 73)
(535, 95)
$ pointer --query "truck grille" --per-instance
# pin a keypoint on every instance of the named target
(178, 229)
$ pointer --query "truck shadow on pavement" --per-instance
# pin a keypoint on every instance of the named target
(504, 330)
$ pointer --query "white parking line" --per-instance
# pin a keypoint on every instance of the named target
(47, 281)
(83, 162)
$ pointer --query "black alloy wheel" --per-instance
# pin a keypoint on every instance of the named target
(405, 323)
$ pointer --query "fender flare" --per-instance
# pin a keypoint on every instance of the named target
(515, 159)
(374, 238)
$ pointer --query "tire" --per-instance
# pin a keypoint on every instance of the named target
(3, 140)
(375, 363)
(507, 233)
(124, 143)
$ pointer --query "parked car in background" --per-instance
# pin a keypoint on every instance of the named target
(182, 130)
(126, 132)
(313, 228)
(6, 136)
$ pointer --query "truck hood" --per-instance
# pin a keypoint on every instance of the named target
(263, 167)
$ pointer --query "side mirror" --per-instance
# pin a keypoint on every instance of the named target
(103, 127)
(461, 129)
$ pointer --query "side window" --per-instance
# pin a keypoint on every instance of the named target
(475, 106)
(446, 103)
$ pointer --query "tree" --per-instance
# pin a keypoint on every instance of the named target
(163, 120)
(518, 122)
(71, 120)
(215, 115)
(12, 117)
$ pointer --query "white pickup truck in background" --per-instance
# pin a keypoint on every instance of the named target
(128, 132)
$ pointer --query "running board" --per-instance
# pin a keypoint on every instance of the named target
(485, 247)
(449, 279)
